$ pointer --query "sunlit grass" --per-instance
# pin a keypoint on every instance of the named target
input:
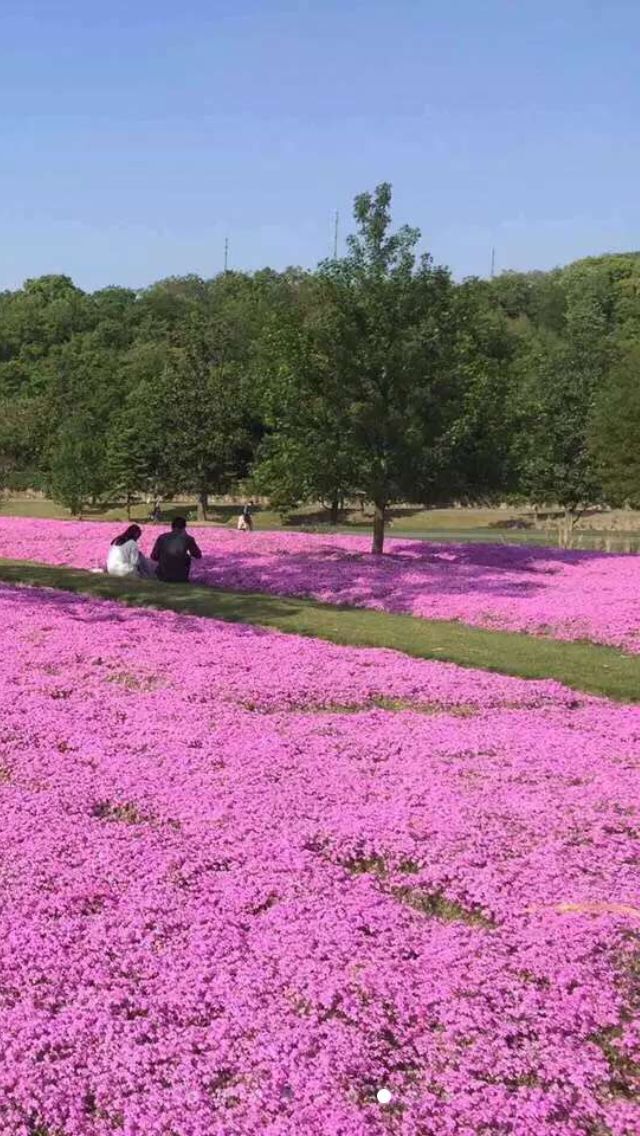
(467, 525)
(582, 666)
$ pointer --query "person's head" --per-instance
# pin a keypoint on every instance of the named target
(134, 532)
(178, 524)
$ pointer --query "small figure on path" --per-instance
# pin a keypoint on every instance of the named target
(173, 553)
(125, 558)
(245, 520)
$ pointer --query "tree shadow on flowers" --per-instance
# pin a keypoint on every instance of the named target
(409, 573)
(583, 666)
(68, 590)
(73, 605)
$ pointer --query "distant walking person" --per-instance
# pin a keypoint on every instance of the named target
(245, 520)
(125, 558)
(173, 553)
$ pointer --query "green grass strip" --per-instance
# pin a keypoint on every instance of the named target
(583, 666)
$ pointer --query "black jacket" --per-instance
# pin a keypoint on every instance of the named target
(173, 551)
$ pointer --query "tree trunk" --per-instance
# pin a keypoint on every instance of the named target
(334, 511)
(203, 504)
(128, 506)
(378, 527)
(566, 528)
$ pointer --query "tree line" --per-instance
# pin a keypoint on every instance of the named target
(375, 376)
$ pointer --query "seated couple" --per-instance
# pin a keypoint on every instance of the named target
(170, 560)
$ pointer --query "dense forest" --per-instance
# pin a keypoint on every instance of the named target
(376, 375)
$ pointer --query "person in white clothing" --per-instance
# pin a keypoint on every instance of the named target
(125, 558)
(245, 520)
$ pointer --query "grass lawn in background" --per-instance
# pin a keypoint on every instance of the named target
(464, 524)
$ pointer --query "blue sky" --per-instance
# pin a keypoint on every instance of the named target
(135, 136)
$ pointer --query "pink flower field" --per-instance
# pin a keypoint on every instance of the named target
(248, 880)
(568, 595)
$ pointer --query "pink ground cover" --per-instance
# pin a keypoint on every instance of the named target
(238, 897)
(569, 595)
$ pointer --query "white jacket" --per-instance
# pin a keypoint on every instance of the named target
(123, 559)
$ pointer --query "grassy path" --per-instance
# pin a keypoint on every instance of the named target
(583, 666)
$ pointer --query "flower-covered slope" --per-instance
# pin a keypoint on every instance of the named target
(569, 595)
(248, 880)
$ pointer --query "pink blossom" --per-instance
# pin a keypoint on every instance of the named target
(568, 595)
(238, 896)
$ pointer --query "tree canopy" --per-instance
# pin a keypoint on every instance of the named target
(376, 376)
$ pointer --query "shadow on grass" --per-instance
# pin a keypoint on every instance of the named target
(582, 666)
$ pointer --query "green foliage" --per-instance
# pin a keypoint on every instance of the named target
(374, 376)
(139, 443)
(307, 453)
(615, 429)
(366, 381)
(76, 469)
(210, 404)
(22, 430)
(568, 327)
(553, 405)
(479, 452)
(556, 380)
(386, 380)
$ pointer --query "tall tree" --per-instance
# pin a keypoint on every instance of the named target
(479, 442)
(551, 444)
(140, 457)
(615, 429)
(210, 404)
(378, 363)
(557, 380)
(23, 430)
(307, 452)
(76, 473)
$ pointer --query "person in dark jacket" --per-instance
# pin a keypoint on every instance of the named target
(245, 520)
(173, 553)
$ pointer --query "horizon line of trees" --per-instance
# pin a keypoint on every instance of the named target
(375, 376)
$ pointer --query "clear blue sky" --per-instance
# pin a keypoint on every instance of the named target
(135, 135)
